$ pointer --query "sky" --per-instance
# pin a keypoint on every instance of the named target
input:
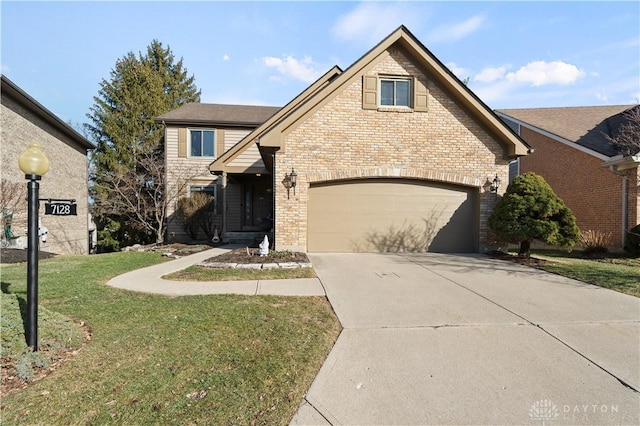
(515, 54)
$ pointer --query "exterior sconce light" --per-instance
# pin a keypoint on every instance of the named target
(290, 181)
(34, 164)
(495, 184)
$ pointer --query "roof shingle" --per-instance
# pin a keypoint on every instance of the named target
(586, 125)
(239, 115)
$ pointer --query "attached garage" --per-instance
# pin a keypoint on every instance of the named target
(392, 215)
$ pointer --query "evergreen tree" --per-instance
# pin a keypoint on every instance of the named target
(530, 210)
(127, 167)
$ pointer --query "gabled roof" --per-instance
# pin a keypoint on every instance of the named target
(219, 114)
(586, 126)
(269, 135)
(219, 164)
(9, 88)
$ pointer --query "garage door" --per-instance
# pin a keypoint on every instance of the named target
(391, 215)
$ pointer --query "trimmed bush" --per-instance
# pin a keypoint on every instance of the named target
(633, 241)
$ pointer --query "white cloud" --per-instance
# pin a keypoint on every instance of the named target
(370, 22)
(489, 74)
(4, 69)
(453, 32)
(602, 97)
(540, 73)
(290, 67)
(226, 57)
(460, 72)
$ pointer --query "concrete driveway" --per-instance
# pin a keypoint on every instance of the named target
(452, 339)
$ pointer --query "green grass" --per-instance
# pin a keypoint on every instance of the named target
(170, 360)
(615, 272)
(199, 273)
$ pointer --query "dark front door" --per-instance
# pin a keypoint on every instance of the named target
(258, 204)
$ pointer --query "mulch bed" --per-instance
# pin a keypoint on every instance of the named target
(252, 255)
(522, 260)
(10, 255)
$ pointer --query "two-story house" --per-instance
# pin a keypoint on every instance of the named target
(392, 154)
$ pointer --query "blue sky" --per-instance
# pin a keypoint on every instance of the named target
(516, 54)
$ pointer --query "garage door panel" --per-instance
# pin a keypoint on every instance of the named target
(390, 215)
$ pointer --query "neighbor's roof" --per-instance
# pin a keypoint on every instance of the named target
(236, 115)
(9, 88)
(585, 125)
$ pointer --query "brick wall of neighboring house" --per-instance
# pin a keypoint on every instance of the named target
(341, 139)
(67, 176)
(592, 192)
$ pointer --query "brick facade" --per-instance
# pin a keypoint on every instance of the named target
(592, 192)
(341, 140)
(66, 179)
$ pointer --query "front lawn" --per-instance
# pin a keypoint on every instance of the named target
(616, 272)
(170, 360)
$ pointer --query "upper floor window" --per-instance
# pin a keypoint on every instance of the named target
(202, 143)
(395, 92)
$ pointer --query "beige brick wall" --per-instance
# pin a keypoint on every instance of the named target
(340, 140)
(67, 176)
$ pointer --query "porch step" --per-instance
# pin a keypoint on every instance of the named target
(248, 238)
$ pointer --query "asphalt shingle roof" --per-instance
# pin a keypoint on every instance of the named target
(586, 126)
(197, 113)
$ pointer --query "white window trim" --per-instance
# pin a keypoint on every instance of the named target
(215, 137)
(409, 79)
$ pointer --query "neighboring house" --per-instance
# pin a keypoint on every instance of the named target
(575, 157)
(23, 120)
(392, 154)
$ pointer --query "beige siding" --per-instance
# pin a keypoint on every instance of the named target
(250, 157)
(232, 137)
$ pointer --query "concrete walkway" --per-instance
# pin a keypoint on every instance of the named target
(148, 280)
(467, 340)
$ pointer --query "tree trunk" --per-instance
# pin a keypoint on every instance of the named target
(525, 248)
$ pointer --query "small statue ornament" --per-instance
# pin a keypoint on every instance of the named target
(264, 246)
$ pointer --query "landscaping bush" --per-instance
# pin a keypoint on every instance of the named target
(633, 241)
(595, 242)
(197, 212)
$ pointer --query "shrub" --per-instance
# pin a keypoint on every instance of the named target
(196, 212)
(595, 242)
(633, 241)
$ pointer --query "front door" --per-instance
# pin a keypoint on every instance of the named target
(258, 204)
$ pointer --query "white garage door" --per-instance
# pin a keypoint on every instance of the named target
(391, 215)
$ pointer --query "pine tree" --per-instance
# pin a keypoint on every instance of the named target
(127, 167)
(530, 210)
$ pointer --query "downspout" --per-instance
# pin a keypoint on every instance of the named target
(224, 204)
(625, 208)
(625, 202)
(273, 201)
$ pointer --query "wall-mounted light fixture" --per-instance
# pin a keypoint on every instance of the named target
(290, 181)
(495, 184)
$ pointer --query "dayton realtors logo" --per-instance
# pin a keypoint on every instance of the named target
(544, 411)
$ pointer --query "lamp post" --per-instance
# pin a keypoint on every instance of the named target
(34, 164)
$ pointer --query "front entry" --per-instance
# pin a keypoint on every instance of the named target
(257, 206)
